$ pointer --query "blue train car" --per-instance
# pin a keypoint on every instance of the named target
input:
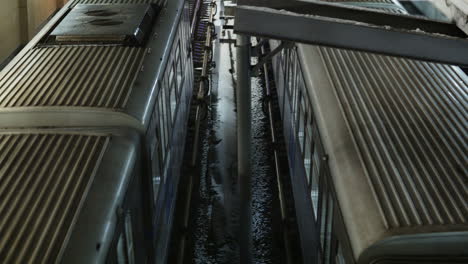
(377, 152)
(117, 65)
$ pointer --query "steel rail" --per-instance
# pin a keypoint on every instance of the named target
(200, 97)
(274, 141)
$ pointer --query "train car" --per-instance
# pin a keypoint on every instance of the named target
(112, 64)
(377, 152)
(70, 196)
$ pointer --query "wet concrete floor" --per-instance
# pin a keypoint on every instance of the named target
(216, 218)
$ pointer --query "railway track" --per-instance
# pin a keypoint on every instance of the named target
(209, 207)
(201, 12)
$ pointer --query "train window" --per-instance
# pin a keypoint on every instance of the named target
(167, 168)
(276, 65)
(308, 149)
(314, 189)
(125, 245)
(304, 94)
(286, 74)
(308, 157)
(161, 125)
(298, 94)
(310, 120)
(163, 116)
(281, 70)
(180, 39)
(329, 230)
(291, 71)
(171, 69)
(171, 76)
(189, 72)
(340, 256)
(302, 107)
(156, 185)
(179, 70)
(187, 38)
(180, 73)
(294, 95)
(183, 36)
(167, 115)
(300, 132)
(173, 102)
(176, 51)
(295, 61)
(121, 253)
(299, 81)
(314, 194)
(317, 153)
(129, 238)
(183, 57)
(155, 154)
(323, 212)
(280, 80)
(173, 92)
(283, 60)
(159, 137)
(315, 163)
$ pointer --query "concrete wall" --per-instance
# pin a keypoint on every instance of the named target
(10, 27)
(38, 12)
(21, 20)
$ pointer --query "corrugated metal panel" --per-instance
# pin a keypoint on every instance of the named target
(42, 181)
(116, 1)
(389, 10)
(94, 76)
(362, 1)
(383, 5)
(409, 121)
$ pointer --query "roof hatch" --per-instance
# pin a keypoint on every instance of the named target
(126, 24)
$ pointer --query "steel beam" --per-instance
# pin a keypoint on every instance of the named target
(353, 28)
(264, 59)
(243, 146)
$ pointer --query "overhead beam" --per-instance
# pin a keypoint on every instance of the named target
(263, 60)
(353, 28)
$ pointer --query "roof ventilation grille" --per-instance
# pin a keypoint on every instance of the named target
(125, 24)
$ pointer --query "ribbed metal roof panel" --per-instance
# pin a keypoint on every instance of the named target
(43, 178)
(116, 1)
(384, 5)
(92, 76)
(409, 121)
(361, 1)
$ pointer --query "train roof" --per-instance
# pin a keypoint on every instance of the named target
(86, 84)
(391, 6)
(48, 178)
(395, 131)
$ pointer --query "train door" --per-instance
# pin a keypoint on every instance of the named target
(129, 244)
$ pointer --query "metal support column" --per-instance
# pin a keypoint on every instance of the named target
(243, 146)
